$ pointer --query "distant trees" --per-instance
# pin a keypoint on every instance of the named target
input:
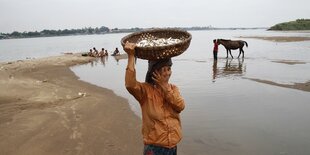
(47, 33)
(65, 32)
(299, 24)
(86, 30)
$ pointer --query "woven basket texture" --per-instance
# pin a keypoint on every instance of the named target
(159, 52)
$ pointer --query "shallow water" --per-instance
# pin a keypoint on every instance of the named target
(226, 112)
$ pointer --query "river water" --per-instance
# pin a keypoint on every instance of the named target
(227, 112)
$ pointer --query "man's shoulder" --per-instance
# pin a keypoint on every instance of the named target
(147, 85)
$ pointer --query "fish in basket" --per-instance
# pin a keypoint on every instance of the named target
(159, 43)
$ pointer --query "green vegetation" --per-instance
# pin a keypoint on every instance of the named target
(299, 24)
(65, 32)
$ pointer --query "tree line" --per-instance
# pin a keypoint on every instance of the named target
(299, 24)
(65, 32)
(97, 30)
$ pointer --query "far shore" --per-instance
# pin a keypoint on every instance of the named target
(46, 110)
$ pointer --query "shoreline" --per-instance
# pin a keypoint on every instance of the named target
(305, 86)
(46, 109)
(278, 38)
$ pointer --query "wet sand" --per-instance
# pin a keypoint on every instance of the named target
(289, 62)
(299, 86)
(279, 38)
(46, 109)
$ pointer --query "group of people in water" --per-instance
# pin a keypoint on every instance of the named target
(95, 53)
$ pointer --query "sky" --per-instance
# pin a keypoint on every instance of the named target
(37, 15)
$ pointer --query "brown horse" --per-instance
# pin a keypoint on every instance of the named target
(232, 45)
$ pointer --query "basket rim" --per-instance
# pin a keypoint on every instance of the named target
(157, 30)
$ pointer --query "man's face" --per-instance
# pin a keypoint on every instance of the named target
(165, 73)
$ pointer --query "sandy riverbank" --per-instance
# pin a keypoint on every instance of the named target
(279, 38)
(46, 109)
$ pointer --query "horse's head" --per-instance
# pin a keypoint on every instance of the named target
(219, 41)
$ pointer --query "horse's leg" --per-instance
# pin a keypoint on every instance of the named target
(226, 53)
(239, 52)
(230, 54)
(242, 52)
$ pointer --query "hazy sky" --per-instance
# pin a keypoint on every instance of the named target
(31, 15)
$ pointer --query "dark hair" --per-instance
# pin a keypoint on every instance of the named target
(156, 65)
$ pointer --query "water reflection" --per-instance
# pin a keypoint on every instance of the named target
(120, 57)
(215, 70)
(231, 68)
(103, 60)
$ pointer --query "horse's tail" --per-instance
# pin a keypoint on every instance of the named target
(246, 44)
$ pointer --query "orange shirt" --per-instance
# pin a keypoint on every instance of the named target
(161, 123)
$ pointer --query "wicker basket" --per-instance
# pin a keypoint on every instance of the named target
(159, 52)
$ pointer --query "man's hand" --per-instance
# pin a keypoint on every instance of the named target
(130, 48)
(160, 81)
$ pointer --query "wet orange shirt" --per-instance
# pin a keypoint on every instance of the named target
(161, 123)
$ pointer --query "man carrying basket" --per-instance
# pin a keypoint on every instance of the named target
(161, 104)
